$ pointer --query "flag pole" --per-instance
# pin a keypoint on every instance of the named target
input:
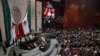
(35, 15)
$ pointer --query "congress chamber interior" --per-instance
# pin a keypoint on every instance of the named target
(49, 27)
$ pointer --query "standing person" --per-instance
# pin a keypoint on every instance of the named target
(49, 5)
(4, 48)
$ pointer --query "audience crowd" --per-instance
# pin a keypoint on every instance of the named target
(79, 42)
(73, 42)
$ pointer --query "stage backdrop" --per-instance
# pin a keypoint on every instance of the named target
(17, 18)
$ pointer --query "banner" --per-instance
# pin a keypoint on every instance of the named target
(17, 18)
(48, 14)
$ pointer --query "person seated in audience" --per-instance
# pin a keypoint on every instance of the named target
(83, 39)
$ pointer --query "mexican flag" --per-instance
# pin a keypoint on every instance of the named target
(20, 30)
(16, 31)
